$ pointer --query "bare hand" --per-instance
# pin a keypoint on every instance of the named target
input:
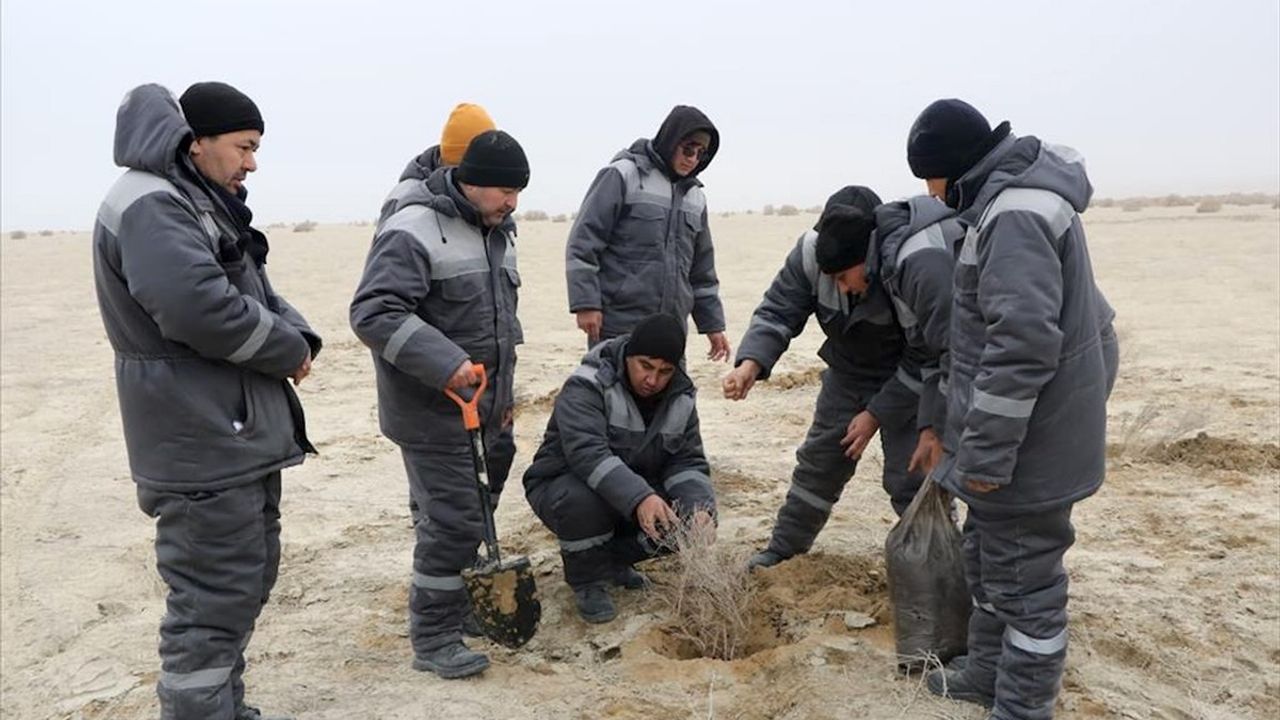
(862, 428)
(928, 452)
(467, 375)
(739, 381)
(980, 486)
(590, 322)
(719, 347)
(653, 514)
(303, 370)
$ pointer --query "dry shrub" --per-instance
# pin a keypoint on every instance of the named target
(813, 209)
(708, 596)
(17, 234)
(788, 210)
(769, 210)
(560, 218)
(1132, 205)
(1209, 206)
(1104, 203)
(305, 226)
(1137, 436)
(46, 233)
(534, 216)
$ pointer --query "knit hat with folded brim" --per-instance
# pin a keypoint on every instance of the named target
(843, 238)
(214, 108)
(494, 159)
(949, 138)
(465, 122)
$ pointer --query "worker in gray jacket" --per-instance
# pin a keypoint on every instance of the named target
(1033, 359)
(913, 259)
(466, 121)
(862, 391)
(641, 243)
(621, 463)
(437, 300)
(204, 350)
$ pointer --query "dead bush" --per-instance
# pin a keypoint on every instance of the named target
(708, 597)
(534, 216)
(1132, 205)
(560, 218)
(305, 226)
(46, 233)
(769, 210)
(17, 235)
(1209, 206)
(788, 210)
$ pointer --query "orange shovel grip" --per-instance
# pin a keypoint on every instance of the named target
(471, 408)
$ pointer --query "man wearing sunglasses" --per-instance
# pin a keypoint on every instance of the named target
(641, 244)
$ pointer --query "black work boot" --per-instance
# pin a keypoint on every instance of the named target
(954, 684)
(632, 579)
(594, 603)
(765, 559)
(246, 712)
(452, 661)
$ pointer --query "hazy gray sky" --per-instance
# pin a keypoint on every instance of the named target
(1159, 96)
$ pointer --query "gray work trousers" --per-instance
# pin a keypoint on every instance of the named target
(448, 530)
(822, 470)
(219, 553)
(1018, 630)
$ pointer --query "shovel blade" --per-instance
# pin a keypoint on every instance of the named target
(505, 599)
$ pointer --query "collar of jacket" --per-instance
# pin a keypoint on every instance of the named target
(646, 159)
(963, 193)
(444, 196)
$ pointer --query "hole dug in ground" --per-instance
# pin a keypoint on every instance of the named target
(770, 608)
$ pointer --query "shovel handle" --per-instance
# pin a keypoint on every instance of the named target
(471, 408)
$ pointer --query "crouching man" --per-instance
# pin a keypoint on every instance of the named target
(621, 464)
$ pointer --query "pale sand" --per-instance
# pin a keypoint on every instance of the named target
(1175, 577)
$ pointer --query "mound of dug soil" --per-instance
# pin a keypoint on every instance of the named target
(1206, 451)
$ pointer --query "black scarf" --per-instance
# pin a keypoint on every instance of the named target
(250, 240)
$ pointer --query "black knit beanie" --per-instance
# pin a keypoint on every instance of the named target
(843, 238)
(863, 198)
(948, 138)
(658, 336)
(494, 159)
(214, 108)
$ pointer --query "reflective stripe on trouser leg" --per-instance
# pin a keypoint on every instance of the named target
(212, 553)
(1024, 580)
(821, 471)
(584, 523)
(898, 444)
(443, 483)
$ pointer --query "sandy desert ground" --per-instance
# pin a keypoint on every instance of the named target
(1175, 580)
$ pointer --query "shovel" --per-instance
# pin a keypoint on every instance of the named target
(503, 593)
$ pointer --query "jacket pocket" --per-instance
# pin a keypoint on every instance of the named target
(641, 234)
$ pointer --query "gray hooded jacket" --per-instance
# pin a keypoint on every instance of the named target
(203, 344)
(1029, 377)
(438, 289)
(913, 259)
(641, 245)
(597, 434)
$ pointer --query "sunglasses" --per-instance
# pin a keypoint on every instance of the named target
(694, 150)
